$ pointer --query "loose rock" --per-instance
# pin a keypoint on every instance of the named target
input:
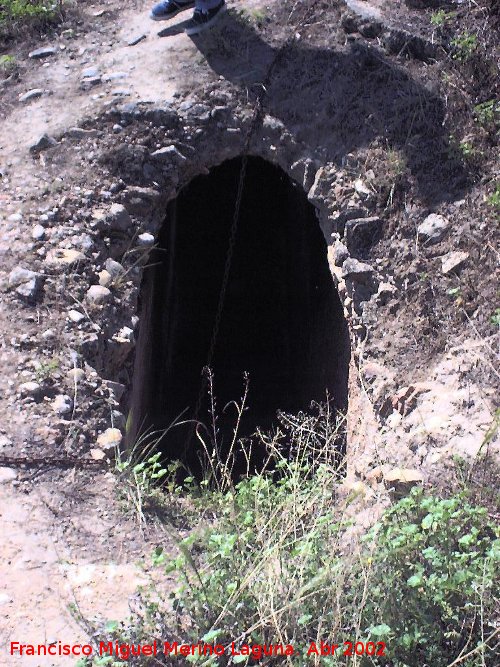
(145, 239)
(97, 295)
(31, 95)
(62, 404)
(43, 52)
(38, 233)
(110, 440)
(75, 316)
(43, 144)
(25, 282)
(453, 262)
(63, 258)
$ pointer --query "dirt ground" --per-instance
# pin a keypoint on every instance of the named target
(65, 537)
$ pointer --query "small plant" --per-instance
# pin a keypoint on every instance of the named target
(487, 113)
(494, 199)
(495, 318)
(45, 369)
(464, 46)
(7, 64)
(440, 18)
(17, 14)
(142, 472)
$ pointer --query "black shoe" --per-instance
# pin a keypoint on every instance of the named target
(203, 20)
(168, 8)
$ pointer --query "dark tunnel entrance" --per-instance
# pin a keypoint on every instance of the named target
(282, 320)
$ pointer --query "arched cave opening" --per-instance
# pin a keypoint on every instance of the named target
(282, 320)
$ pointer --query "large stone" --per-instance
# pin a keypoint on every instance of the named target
(43, 52)
(98, 295)
(25, 282)
(432, 229)
(43, 144)
(356, 270)
(362, 233)
(115, 269)
(32, 94)
(118, 218)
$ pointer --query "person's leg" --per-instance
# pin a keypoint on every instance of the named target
(166, 9)
(205, 15)
(206, 5)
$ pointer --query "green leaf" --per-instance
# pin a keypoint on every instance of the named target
(240, 658)
(379, 631)
(210, 636)
(415, 581)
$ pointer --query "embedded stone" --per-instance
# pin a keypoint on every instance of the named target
(42, 144)
(105, 278)
(25, 282)
(110, 440)
(432, 229)
(406, 476)
(453, 262)
(76, 375)
(353, 269)
(62, 404)
(362, 189)
(115, 269)
(32, 389)
(168, 152)
(145, 239)
(75, 316)
(98, 295)
(118, 217)
(63, 258)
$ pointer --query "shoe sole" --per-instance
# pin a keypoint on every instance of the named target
(172, 14)
(206, 26)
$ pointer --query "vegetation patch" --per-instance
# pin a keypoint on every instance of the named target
(279, 558)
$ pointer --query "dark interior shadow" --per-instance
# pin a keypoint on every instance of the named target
(343, 100)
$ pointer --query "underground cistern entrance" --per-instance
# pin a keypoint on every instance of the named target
(282, 321)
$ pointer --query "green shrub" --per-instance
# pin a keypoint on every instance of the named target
(15, 14)
(278, 558)
(464, 45)
(434, 579)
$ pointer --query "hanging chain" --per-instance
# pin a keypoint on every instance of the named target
(257, 116)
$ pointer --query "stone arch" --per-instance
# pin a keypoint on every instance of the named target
(283, 318)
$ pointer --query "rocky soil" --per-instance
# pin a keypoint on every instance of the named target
(103, 121)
